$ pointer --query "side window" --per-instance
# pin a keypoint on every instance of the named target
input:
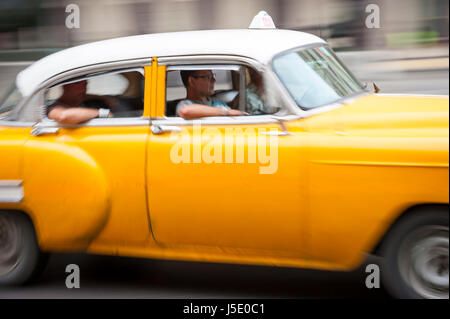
(9, 102)
(225, 88)
(122, 92)
(239, 87)
(260, 96)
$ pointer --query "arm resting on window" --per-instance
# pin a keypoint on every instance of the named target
(72, 115)
(193, 111)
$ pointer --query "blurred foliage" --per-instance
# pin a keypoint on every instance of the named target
(412, 38)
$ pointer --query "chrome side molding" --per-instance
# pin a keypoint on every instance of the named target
(160, 129)
(11, 191)
(44, 130)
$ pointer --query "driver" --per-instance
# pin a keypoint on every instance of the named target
(70, 107)
(199, 103)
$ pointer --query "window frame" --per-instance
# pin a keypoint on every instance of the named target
(77, 73)
(288, 105)
(321, 108)
(213, 67)
(88, 76)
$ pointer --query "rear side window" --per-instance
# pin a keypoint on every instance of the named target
(121, 91)
(10, 101)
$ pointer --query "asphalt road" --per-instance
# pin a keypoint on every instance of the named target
(118, 277)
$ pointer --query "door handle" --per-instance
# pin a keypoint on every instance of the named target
(160, 129)
(277, 133)
(36, 131)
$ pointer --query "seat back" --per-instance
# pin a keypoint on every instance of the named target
(171, 107)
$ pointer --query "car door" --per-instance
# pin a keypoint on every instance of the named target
(85, 183)
(234, 182)
(13, 135)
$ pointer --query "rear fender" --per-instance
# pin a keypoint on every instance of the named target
(66, 194)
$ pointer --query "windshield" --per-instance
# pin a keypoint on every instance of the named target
(10, 101)
(315, 77)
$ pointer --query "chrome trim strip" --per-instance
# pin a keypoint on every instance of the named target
(204, 67)
(11, 191)
(117, 122)
(39, 130)
(159, 129)
(141, 121)
(217, 120)
(16, 123)
(277, 133)
(395, 164)
(210, 59)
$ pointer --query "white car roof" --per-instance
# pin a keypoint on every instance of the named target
(260, 45)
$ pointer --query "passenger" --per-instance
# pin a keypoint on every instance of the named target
(70, 107)
(254, 94)
(198, 103)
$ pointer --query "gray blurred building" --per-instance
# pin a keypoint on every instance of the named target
(28, 24)
(408, 53)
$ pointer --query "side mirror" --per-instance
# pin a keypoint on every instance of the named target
(376, 88)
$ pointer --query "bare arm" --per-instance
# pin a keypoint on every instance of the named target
(193, 111)
(72, 115)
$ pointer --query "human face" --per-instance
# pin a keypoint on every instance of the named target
(203, 82)
(76, 91)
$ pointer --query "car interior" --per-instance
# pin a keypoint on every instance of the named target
(126, 87)
(227, 89)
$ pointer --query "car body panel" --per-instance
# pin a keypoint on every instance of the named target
(234, 208)
(367, 165)
(79, 186)
(345, 172)
(11, 143)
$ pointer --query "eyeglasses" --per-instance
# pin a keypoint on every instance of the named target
(208, 77)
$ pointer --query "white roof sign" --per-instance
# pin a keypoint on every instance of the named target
(262, 21)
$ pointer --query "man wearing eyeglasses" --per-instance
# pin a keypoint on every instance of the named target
(199, 103)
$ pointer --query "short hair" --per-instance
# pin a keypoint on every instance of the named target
(185, 74)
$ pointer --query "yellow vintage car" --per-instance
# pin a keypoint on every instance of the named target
(317, 172)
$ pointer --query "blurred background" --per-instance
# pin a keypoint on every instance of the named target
(408, 53)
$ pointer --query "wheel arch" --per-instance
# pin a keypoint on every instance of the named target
(407, 213)
(25, 214)
(32, 260)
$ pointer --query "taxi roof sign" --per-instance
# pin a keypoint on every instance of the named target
(262, 21)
